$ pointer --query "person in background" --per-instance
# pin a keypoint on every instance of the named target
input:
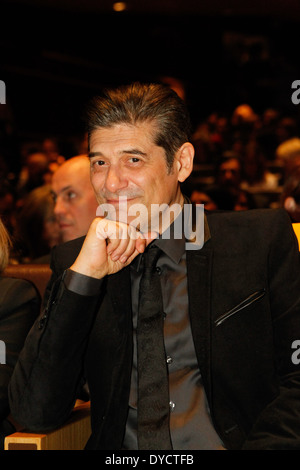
(228, 179)
(290, 196)
(19, 307)
(75, 201)
(211, 196)
(229, 172)
(8, 205)
(37, 229)
(32, 174)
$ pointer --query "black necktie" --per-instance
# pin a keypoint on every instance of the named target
(153, 387)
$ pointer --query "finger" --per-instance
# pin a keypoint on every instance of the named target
(136, 244)
(130, 250)
(125, 246)
(106, 230)
(144, 240)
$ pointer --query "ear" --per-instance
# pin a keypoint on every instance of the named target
(184, 161)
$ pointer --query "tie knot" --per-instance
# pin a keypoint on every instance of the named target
(151, 256)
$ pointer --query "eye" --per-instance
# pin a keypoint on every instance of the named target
(71, 194)
(96, 164)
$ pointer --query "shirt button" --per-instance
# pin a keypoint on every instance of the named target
(42, 322)
(158, 270)
(172, 405)
(169, 360)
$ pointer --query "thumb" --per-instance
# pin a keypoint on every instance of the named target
(144, 240)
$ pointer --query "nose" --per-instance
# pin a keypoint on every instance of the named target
(115, 180)
(59, 206)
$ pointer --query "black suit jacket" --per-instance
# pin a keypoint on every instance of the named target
(19, 308)
(244, 303)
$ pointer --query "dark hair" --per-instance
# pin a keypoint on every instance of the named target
(5, 246)
(138, 103)
(38, 206)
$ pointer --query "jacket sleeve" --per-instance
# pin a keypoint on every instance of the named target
(19, 309)
(49, 372)
(278, 426)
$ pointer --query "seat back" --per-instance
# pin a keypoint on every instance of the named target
(72, 435)
(296, 227)
(38, 274)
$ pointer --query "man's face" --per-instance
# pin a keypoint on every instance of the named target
(126, 164)
(229, 173)
(75, 202)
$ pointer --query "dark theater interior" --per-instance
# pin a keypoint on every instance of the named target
(57, 55)
(236, 66)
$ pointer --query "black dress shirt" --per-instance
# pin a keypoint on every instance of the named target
(190, 422)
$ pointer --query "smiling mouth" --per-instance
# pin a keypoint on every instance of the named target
(119, 201)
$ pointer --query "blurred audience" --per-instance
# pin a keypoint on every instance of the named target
(255, 173)
(288, 155)
(241, 160)
(75, 201)
(211, 138)
(8, 199)
(50, 148)
(266, 137)
(229, 172)
(286, 129)
(19, 307)
(37, 229)
(32, 174)
(213, 197)
(206, 197)
(290, 197)
(229, 179)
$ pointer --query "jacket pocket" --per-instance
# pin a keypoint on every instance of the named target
(245, 303)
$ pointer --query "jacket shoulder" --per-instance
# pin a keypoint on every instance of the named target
(263, 225)
(249, 218)
(15, 292)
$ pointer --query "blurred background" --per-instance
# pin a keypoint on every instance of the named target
(56, 54)
(233, 62)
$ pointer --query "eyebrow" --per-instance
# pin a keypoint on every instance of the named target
(62, 190)
(132, 151)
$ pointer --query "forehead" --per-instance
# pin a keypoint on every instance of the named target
(75, 175)
(122, 135)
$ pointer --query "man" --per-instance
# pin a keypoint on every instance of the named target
(230, 308)
(75, 202)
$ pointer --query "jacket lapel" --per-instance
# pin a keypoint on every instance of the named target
(199, 266)
(119, 291)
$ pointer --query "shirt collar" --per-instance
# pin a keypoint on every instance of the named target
(174, 248)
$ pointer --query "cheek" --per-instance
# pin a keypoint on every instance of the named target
(51, 230)
(163, 187)
(149, 181)
(97, 182)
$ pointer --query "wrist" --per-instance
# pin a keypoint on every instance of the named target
(86, 270)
